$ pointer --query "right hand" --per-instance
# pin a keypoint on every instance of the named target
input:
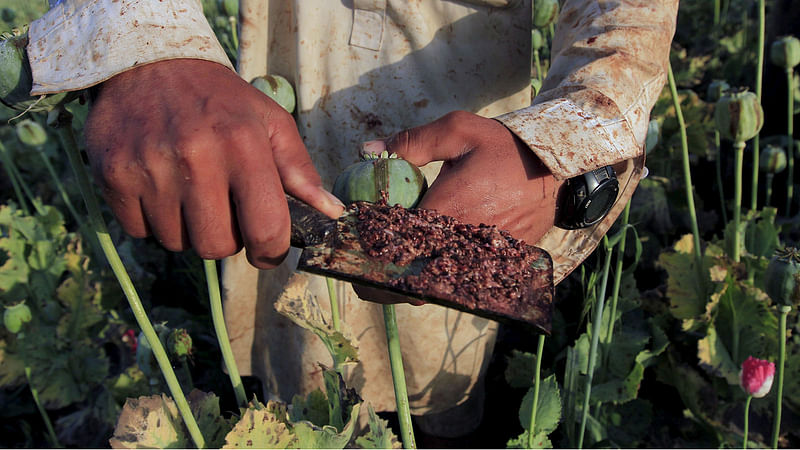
(187, 151)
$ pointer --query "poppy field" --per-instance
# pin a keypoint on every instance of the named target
(680, 331)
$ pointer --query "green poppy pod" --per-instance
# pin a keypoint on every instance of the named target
(16, 80)
(31, 133)
(367, 179)
(782, 278)
(715, 90)
(16, 315)
(8, 15)
(537, 39)
(545, 12)
(785, 52)
(277, 88)
(738, 115)
(231, 7)
(772, 159)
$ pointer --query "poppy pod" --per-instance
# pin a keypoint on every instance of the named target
(545, 12)
(738, 116)
(782, 278)
(715, 90)
(381, 174)
(785, 52)
(278, 89)
(537, 39)
(16, 79)
(772, 159)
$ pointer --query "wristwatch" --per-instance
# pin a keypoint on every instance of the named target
(587, 198)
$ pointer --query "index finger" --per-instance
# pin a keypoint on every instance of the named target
(261, 210)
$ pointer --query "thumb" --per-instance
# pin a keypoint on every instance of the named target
(446, 138)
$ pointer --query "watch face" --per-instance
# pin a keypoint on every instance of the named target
(591, 196)
(600, 202)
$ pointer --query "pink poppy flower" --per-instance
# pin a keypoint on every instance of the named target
(756, 376)
(129, 337)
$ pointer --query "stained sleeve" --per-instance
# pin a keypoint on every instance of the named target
(80, 43)
(609, 64)
(608, 67)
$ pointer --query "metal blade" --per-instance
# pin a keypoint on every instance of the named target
(340, 255)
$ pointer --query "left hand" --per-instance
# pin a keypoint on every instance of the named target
(489, 176)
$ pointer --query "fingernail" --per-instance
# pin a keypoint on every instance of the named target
(333, 199)
(373, 147)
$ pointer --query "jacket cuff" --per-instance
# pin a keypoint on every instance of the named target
(570, 139)
(79, 44)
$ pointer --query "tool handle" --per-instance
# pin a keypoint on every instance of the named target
(309, 226)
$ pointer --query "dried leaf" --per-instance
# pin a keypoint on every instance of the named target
(300, 306)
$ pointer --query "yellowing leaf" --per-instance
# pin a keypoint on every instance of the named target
(718, 273)
(154, 422)
(300, 306)
(13, 269)
(260, 428)
(71, 375)
(149, 422)
(714, 357)
(687, 289)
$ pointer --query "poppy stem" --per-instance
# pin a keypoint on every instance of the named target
(218, 318)
(536, 384)
(746, 420)
(776, 426)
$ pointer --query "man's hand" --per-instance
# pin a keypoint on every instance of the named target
(189, 152)
(488, 176)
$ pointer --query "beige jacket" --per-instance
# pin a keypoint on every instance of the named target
(365, 69)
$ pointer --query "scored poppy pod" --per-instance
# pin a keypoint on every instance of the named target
(738, 115)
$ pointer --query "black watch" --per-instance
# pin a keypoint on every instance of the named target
(587, 198)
